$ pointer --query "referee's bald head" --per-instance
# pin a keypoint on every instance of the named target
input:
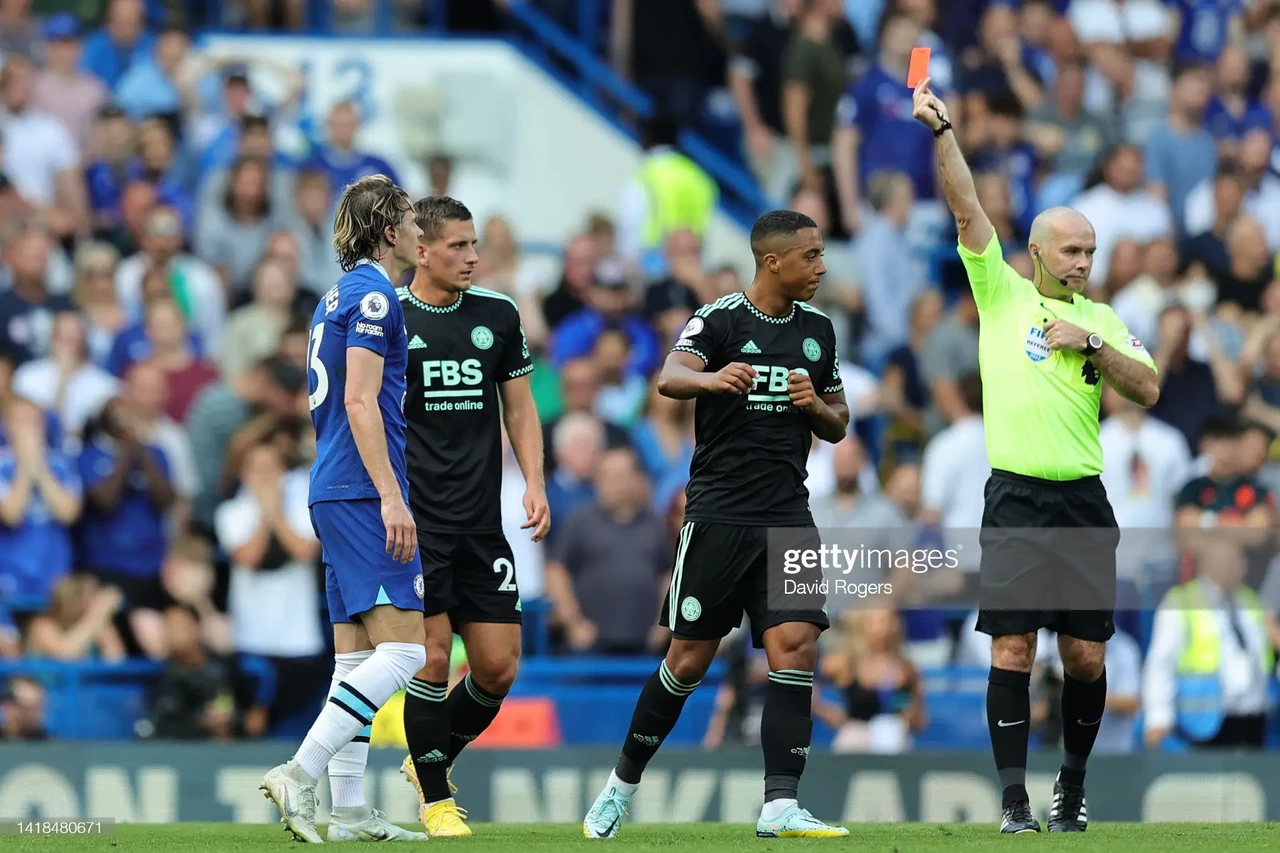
(1056, 221)
(1062, 243)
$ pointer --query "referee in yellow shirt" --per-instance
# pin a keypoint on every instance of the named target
(1044, 350)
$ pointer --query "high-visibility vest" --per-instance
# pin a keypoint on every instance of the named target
(1200, 711)
(681, 195)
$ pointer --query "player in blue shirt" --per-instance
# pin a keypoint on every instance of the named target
(359, 508)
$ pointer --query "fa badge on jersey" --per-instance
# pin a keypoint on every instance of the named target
(374, 306)
(1037, 345)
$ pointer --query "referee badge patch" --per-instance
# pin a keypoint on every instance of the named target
(1037, 344)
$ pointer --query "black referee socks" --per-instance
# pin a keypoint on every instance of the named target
(657, 711)
(1083, 704)
(1009, 719)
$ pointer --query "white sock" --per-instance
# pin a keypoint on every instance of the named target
(355, 701)
(627, 788)
(774, 808)
(346, 768)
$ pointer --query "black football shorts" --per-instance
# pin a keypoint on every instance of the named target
(470, 576)
(720, 572)
(1048, 558)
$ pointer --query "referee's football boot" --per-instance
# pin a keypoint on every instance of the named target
(294, 793)
(796, 822)
(372, 826)
(1017, 819)
(606, 814)
(1068, 813)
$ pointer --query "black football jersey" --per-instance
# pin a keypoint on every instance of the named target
(458, 356)
(751, 450)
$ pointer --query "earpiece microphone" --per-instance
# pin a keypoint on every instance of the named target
(1043, 266)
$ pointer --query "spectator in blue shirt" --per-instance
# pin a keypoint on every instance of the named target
(1181, 152)
(663, 443)
(609, 308)
(39, 502)
(215, 138)
(1002, 64)
(122, 541)
(875, 131)
(892, 273)
(1007, 153)
(339, 157)
(10, 639)
(1206, 27)
(114, 166)
(1231, 111)
(122, 41)
(150, 85)
(26, 306)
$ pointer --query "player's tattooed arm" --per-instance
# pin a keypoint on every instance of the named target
(684, 377)
(828, 413)
(520, 416)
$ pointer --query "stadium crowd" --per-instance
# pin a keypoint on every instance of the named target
(161, 257)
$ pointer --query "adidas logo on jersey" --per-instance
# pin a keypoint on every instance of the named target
(417, 343)
(750, 348)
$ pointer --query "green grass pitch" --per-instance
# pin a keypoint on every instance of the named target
(703, 837)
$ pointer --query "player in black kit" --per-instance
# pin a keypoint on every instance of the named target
(467, 354)
(764, 370)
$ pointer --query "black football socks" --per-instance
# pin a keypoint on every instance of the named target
(471, 709)
(426, 728)
(657, 711)
(1009, 719)
(786, 729)
(1083, 704)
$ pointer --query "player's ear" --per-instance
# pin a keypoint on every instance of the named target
(422, 255)
(772, 262)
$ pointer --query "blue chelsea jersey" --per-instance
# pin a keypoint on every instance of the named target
(361, 310)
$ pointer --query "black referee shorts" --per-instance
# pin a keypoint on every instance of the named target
(1048, 557)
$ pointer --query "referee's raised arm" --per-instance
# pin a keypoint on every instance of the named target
(957, 181)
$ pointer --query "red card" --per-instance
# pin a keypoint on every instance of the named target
(919, 68)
